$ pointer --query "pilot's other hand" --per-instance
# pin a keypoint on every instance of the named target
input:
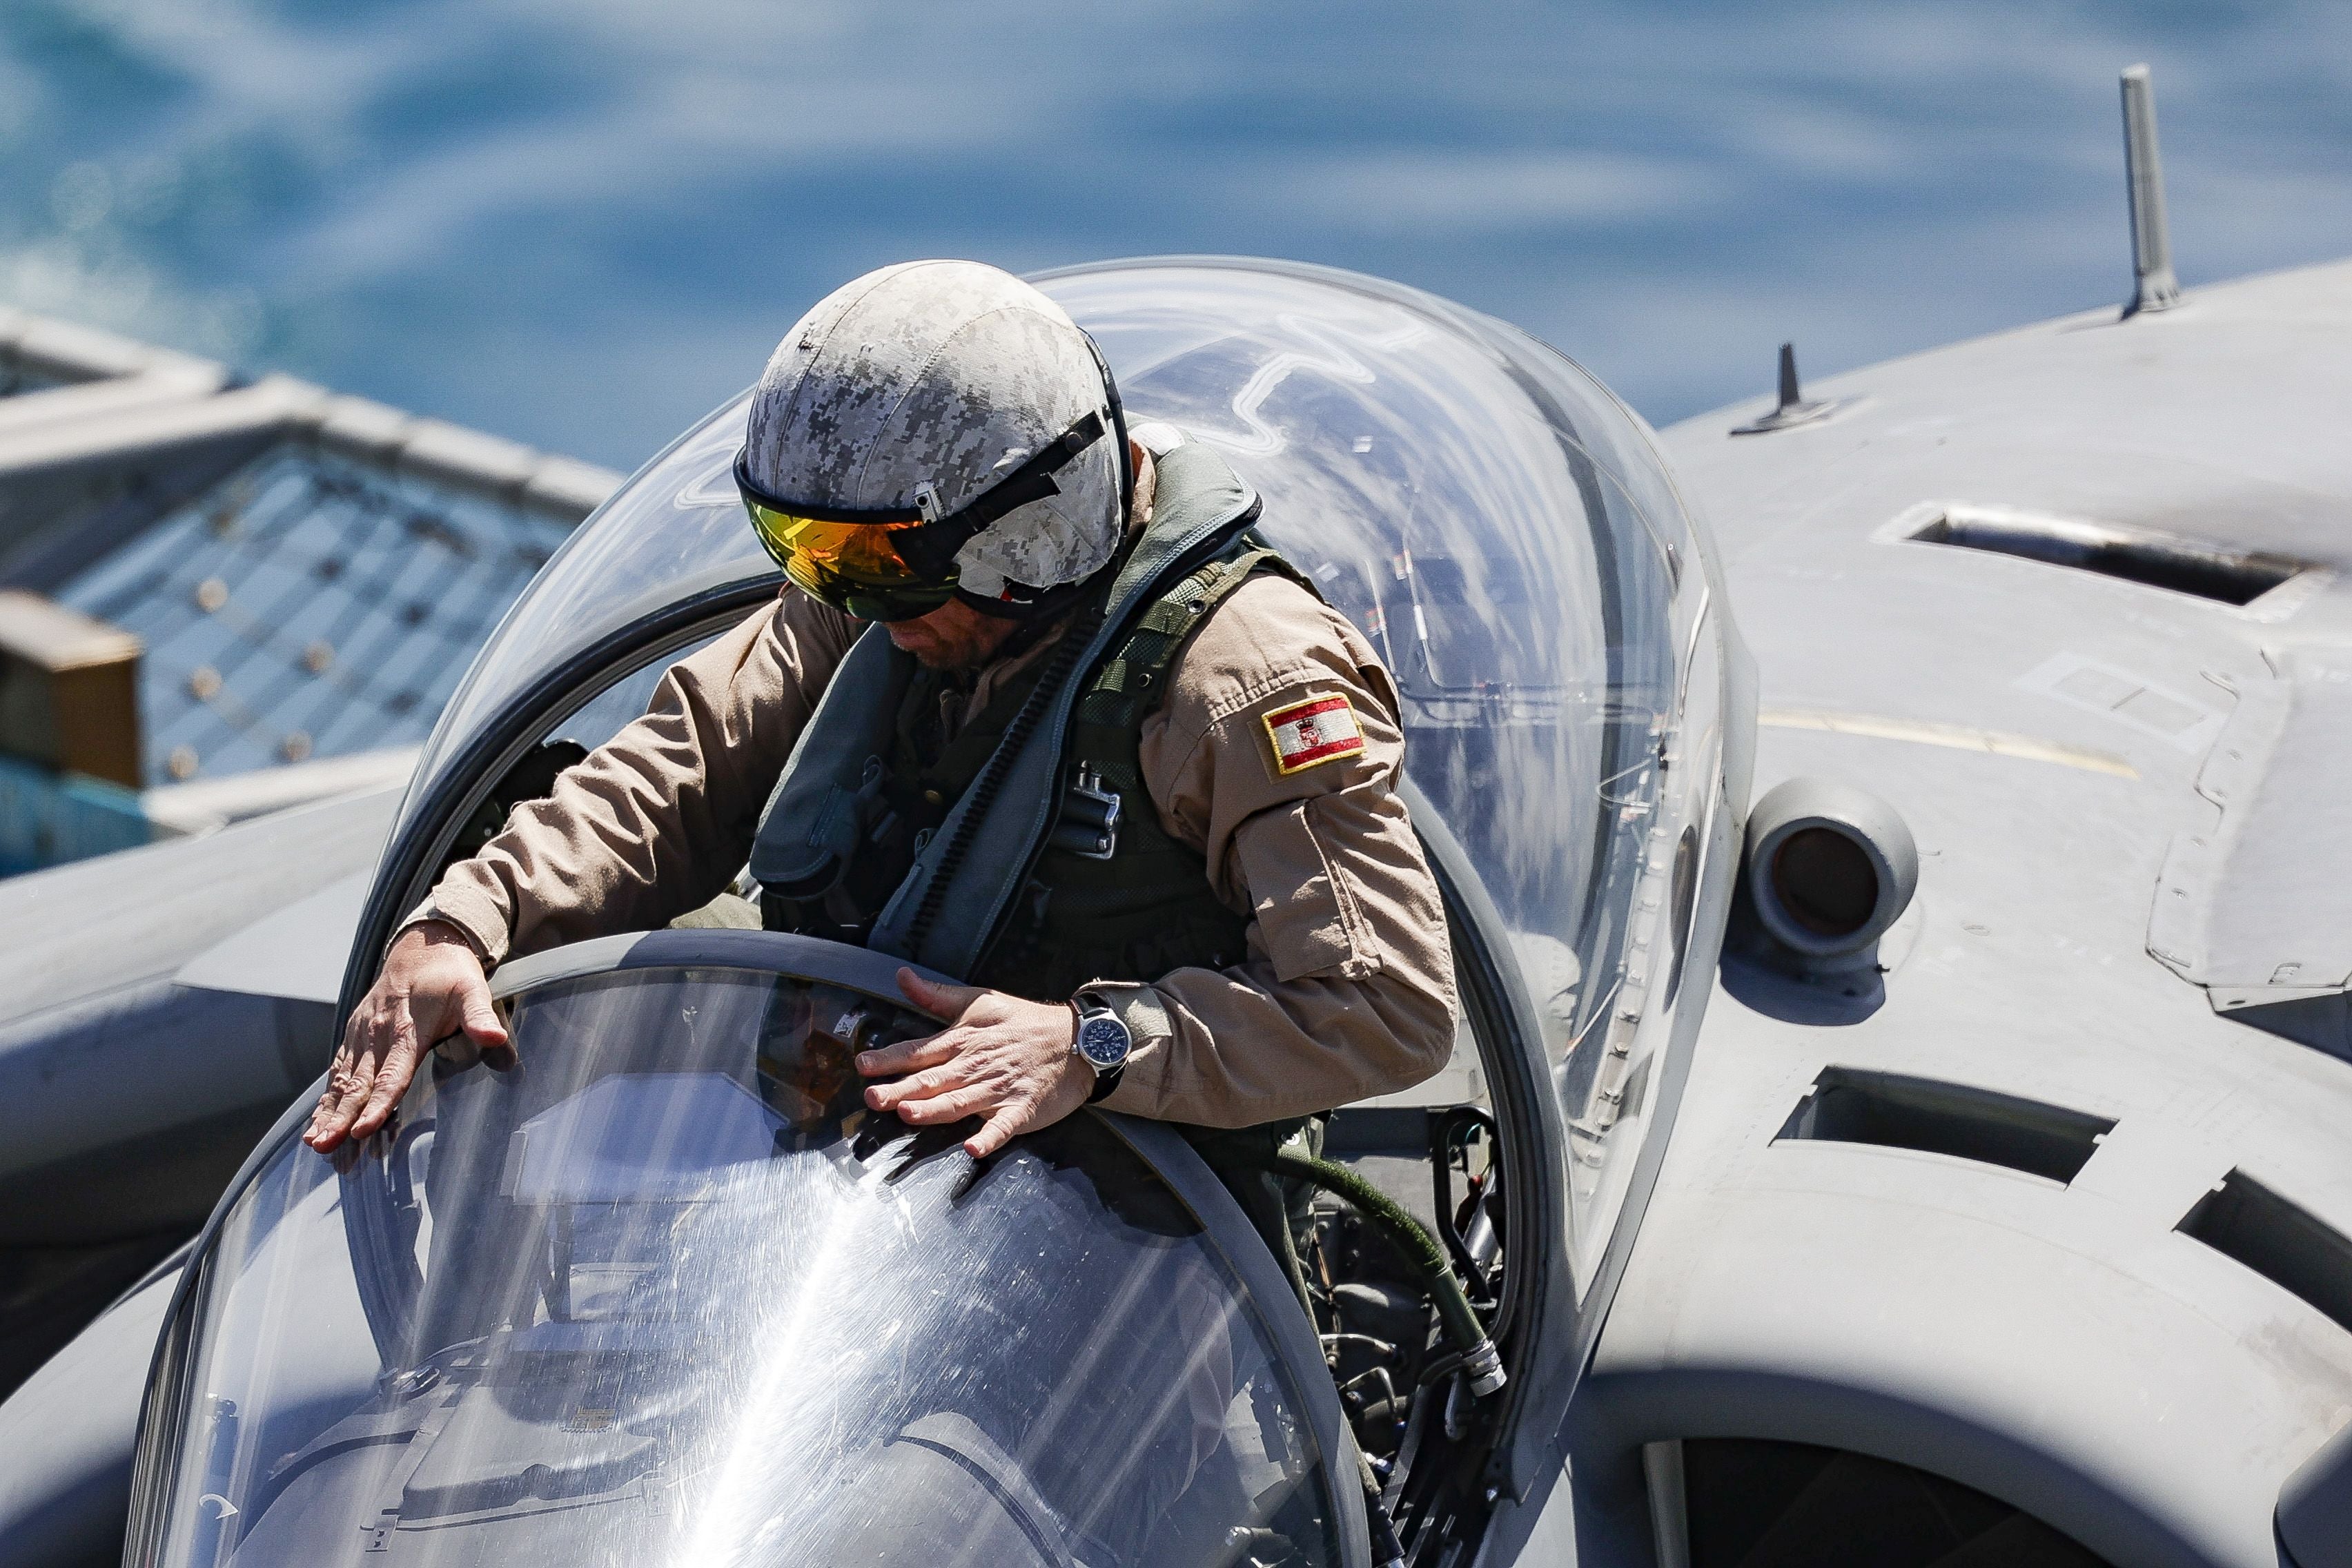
(431, 987)
(1003, 1059)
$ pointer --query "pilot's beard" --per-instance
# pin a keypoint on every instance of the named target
(953, 638)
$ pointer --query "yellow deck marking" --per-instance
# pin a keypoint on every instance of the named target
(1960, 737)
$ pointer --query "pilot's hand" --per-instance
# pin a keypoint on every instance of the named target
(431, 986)
(1003, 1059)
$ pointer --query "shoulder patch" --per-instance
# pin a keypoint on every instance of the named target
(1308, 734)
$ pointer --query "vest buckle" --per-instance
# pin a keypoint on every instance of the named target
(1089, 824)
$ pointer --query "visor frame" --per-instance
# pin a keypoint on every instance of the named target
(754, 492)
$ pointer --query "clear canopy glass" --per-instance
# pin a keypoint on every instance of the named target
(665, 1295)
(674, 530)
(1505, 532)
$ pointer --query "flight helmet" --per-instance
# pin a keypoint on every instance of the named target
(937, 429)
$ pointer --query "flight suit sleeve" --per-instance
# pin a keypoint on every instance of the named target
(655, 821)
(1276, 754)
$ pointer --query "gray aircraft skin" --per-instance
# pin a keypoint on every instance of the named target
(2005, 1222)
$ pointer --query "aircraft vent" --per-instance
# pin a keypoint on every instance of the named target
(2153, 560)
(2286, 1244)
(1747, 1502)
(1848, 1105)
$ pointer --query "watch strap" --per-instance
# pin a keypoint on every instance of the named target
(1106, 1079)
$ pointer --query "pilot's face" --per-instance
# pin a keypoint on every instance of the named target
(954, 636)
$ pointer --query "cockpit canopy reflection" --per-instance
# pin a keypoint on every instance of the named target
(1505, 532)
(665, 1293)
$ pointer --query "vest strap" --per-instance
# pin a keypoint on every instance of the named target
(947, 912)
(820, 807)
(1107, 735)
(1134, 681)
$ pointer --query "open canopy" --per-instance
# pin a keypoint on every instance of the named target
(666, 1294)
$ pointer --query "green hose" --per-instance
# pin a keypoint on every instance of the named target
(1421, 1251)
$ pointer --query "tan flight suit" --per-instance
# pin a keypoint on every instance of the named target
(1347, 988)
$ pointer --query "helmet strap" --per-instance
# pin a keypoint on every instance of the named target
(1119, 435)
(1045, 603)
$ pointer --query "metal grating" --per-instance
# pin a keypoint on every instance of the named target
(307, 606)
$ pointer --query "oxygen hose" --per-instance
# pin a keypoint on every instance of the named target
(1420, 1251)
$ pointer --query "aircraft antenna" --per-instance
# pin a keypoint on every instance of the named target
(1793, 408)
(2154, 288)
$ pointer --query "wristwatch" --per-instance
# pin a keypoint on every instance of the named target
(1102, 1039)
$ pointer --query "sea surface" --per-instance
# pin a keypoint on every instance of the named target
(581, 224)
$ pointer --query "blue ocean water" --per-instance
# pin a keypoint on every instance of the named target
(581, 222)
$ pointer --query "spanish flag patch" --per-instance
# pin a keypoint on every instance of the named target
(1308, 734)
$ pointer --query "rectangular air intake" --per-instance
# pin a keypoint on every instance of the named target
(2290, 1247)
(1847, 1105)
(2153, 560)
(1739, 1502)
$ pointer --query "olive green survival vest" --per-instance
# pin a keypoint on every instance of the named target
(1026, 854)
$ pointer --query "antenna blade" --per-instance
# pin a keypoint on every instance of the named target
(2154, 288)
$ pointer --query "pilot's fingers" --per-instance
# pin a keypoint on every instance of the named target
(956, 1072)
(346, 1093)
(953, 1105)
(1002, 1127)
(348, 1081)
(938, 999)
(908, 1056)
(361, 1047)
(477, 1016)
(337, 1077)
(356, 1080)
(327, 1118)
(392, 1078)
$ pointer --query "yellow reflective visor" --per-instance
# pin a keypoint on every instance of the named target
(891, 565)
(853, 566)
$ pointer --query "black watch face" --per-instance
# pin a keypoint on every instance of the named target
(1102, 1041)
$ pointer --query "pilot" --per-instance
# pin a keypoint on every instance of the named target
(1231, 926)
